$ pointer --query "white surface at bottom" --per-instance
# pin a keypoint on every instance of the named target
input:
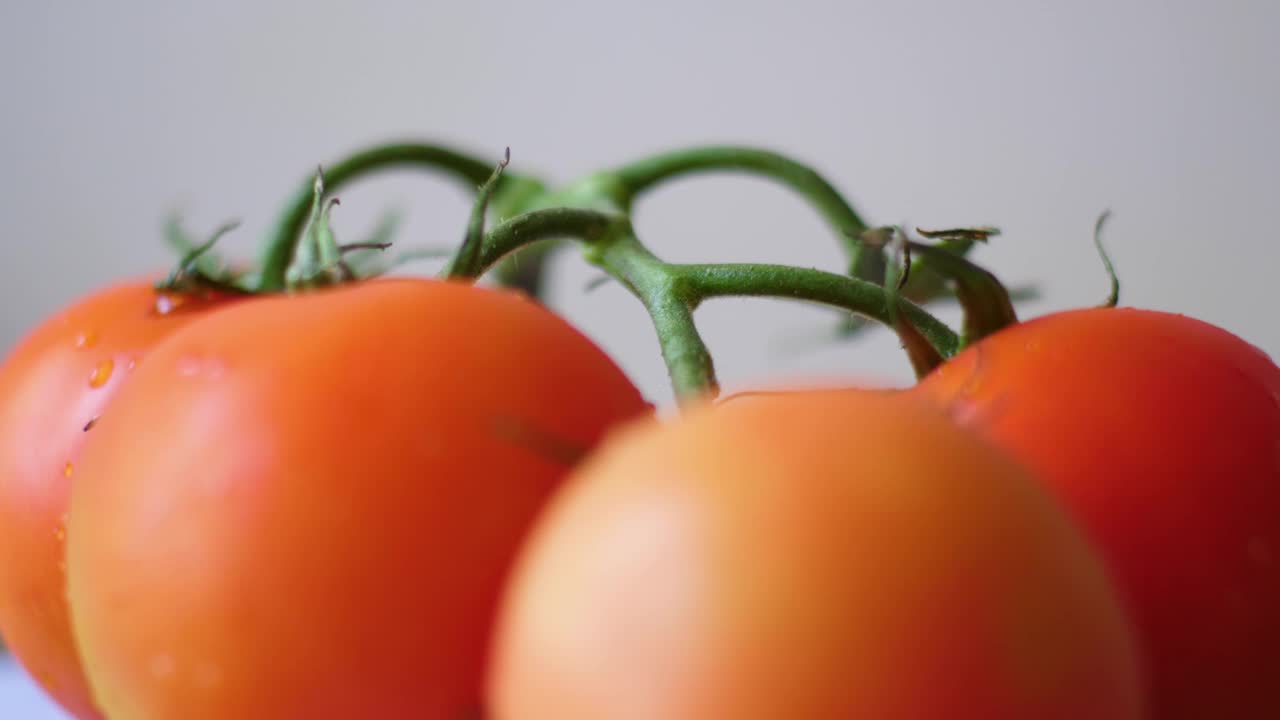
(21, 699)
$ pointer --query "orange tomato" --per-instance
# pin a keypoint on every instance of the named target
(53, 386)
(1161, 435)
(305, 506)
(816, 555)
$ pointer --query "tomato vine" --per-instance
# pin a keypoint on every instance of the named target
(595, 211)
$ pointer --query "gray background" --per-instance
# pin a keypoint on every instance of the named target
(1032, 116)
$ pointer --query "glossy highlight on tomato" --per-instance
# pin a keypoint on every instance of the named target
(305, 506)
(1161, 434)
(53, 386)
(812, 555)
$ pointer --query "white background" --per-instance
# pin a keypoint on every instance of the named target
(1033, 116)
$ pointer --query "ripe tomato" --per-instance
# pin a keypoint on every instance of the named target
(820, 555)
(1162, 435)
(52, 386)
(305, 506)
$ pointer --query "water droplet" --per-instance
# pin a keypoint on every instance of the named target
(964, 412)
(60, 533)
(86, 340)
(101, 373)
(62, 566)
(1260, 551)
(188, 366)
(133, 363)
(1032, 346)
(163, 666)
(68, 469)
(168, 302)
(211, 368)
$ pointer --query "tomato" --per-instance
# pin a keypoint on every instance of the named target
(1162, 435)
(305, 506)
(52, 387)
(818, 555)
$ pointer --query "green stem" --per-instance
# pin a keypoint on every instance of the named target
(670, 293)
(669, 306)
(279, 249)
(609, 241)
(858, 296)
(537, 225)
(645, 174)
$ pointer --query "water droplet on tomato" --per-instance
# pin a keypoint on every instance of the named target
(164, 303)
(210, 368)
(101, 373)
(169, 302)
(62, 566)
(1032, 346)
(60, 533)
(964, 413)
(133, 363)
(68, 469)
(188, 366)
(162, 666)
(86, 340)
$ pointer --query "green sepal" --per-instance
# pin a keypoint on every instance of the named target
(466, 263)
(318, 260)
(306, 258)
(207, 261)
(924, 356)
(1113, 297)
(200, 269)
(972, 234)
(925, 283)
(986, 302)
(868, 260)
(368, 258)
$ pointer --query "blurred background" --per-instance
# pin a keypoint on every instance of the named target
(1031, 116)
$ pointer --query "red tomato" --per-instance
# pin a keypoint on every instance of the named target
(1162, 435)
(305, 506)
(819, 555)
(52, 386)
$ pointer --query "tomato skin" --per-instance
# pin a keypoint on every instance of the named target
(1161, 434)
(820, 555)
(55, 381)
(304, 507)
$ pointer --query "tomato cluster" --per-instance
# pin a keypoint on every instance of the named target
(285, 506)
(422, 498)
(859, 554)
